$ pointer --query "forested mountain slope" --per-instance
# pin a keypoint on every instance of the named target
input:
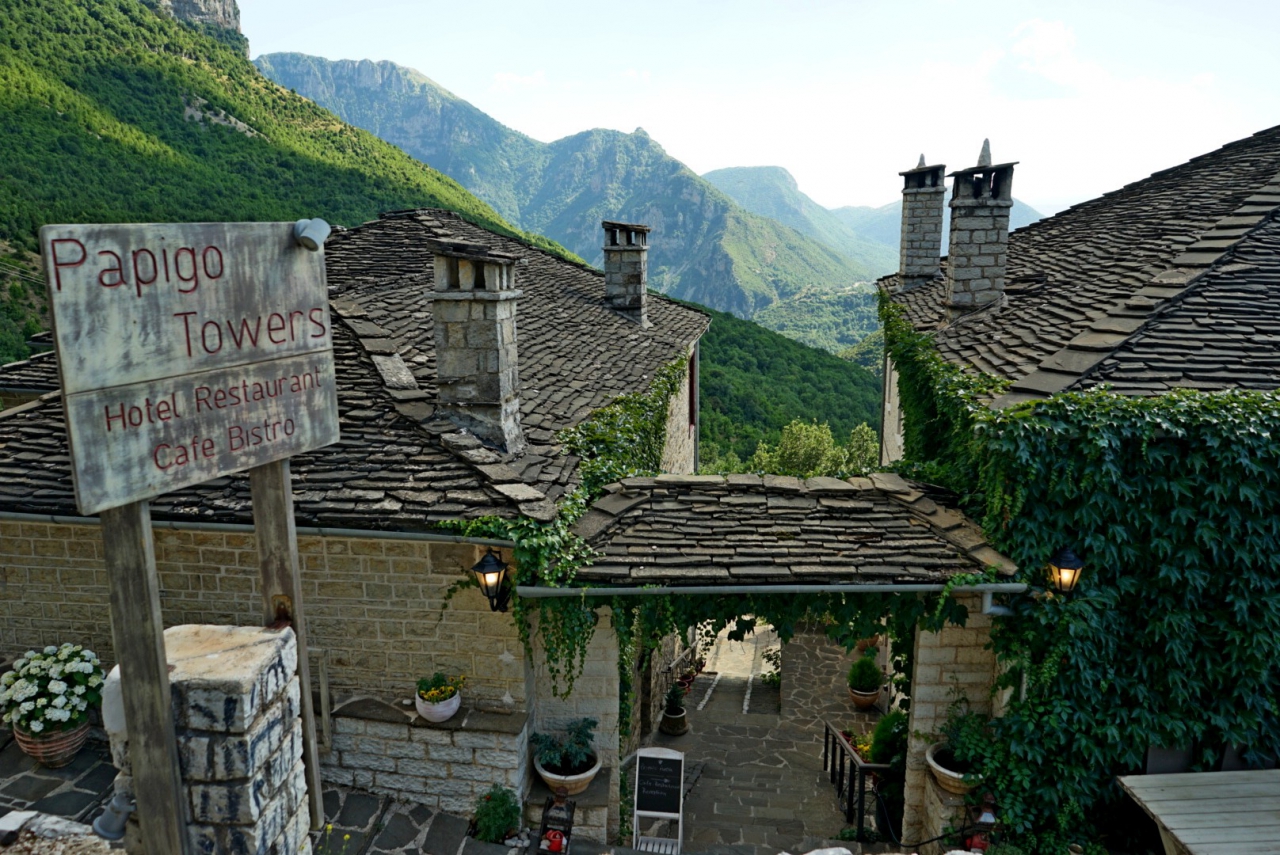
(706, 248)
(771, 191)
(112, 112)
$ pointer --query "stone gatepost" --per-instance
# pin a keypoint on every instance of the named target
(236, 704)
(980, 203)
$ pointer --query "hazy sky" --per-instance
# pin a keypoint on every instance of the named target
(1088, 96)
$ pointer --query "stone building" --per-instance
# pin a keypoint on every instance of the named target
(460, 356)
(1172, 282)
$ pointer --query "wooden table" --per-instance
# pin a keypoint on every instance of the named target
(1212, 813)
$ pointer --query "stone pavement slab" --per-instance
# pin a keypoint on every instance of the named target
(76, 791)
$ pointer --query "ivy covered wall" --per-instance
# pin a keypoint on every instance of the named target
(1173, 638)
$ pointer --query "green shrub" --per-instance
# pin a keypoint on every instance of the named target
(569, 754)
(497, 812)
(675, 700)
(889, 739)
(865, 675)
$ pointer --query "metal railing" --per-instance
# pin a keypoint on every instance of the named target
(848, 773)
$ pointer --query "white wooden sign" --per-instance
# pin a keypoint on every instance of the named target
(187, 352)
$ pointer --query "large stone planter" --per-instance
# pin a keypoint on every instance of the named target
(573, 784)
(951, 781)
(674, 724)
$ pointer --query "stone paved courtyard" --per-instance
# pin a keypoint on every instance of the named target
(754, 779)
(76, 791)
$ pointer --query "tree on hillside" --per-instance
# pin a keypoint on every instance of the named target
(807, 450)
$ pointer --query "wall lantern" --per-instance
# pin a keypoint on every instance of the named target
(491, 573)
(1065, 568)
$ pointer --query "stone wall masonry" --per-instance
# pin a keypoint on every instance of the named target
(921, 239)
(626, 274)
(679, 456)
(948, 664)
(372, 605)
(595, 695)
(238, 723)
(446, 766)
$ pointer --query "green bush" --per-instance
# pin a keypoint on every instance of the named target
(889, 739)
(497, 812)
(675, 700)
(865, 675)
(570, 753)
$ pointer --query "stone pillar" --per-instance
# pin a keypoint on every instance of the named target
(237, 712)
(923, 190)
(955, 660)
(475, 338)
(626, 269)
(980, 201)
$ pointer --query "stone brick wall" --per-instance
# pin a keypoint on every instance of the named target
(891, 417)
(445, 766)
(595, 694)
(946, 663)
(680, 455)
(239, 730)
(373, 605)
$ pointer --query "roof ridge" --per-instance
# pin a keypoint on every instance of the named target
(1132, 315)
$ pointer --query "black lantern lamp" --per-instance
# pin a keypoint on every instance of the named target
(491, 573)
(1065, 568)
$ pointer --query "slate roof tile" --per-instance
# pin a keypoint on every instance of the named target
(775, 531)
(1080, 270)
(397, 465)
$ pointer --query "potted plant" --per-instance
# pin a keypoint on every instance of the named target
(497, 816)
(674, 721)
(865, 680)
(567, 760)
(955, 760)
(46, 698)
(439, 697)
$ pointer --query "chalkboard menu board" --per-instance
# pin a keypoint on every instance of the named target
(659, 781)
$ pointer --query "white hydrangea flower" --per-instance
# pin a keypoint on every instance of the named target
(57, 687)
(40, 702)
(36, 726)
(8, 678)
(26, 707)
(55, 672)
(60, 701)
(50, 650)
(95, 680)
(80, 704)
(90, 655)
(79, 690)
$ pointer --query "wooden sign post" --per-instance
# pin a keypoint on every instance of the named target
(188, 352)
(659, 795)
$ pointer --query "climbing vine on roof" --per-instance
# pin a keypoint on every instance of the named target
(1173, 637)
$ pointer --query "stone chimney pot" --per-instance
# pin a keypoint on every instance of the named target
(477, 366)
(981, 199)
(626, 270)
(923, 190)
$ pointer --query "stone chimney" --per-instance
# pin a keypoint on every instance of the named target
(980, 201)
(475, 337)
(626, 269)
(923, 190)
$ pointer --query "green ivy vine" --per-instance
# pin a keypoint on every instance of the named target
(1173, 636)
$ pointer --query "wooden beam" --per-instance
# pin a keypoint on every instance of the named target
(273, 523)
(138, 634)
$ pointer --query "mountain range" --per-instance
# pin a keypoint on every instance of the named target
(115, 111)
(705, 247)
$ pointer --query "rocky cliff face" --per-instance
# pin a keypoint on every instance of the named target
(223, 14)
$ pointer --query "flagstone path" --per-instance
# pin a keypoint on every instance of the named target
(753, 757)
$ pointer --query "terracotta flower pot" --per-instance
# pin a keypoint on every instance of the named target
(573, 784)
(949, 780)
(864, 700)
(442, 711)
(54, 749)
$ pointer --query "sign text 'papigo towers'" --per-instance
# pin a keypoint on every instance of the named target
(187, 351)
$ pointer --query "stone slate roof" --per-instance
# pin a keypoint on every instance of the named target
(1085, 282)
(748, 529)
(398, 466)
(384, 473)
(575, 355)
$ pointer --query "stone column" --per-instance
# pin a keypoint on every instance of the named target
(980, 201)
(626, 269)
(237, 712)
(475, 337)
(923, 190)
